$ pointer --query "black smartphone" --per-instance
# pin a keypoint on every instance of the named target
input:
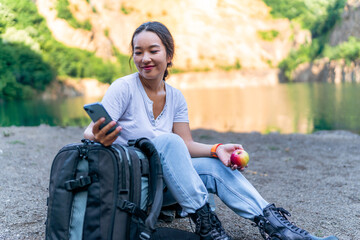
(97, 111)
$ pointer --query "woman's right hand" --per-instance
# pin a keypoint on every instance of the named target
(100, 134)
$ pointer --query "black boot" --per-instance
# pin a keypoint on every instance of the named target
(208, 226)
(274, 225)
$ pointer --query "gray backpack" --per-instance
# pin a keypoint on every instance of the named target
(99, 192)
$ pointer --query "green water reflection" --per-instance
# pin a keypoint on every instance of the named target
(336, 107)
(61, 112)
(326, 106)
(285, 108)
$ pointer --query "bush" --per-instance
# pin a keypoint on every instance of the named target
(350, 50)
(306, 53)
(78, 63)
(324, 23)
(291, 9)
(268, 35)
(317, 16)
(22, 71)
(63, 11)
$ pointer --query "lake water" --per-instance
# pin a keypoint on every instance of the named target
(285, 108)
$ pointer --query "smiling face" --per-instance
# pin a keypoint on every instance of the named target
(149, 55)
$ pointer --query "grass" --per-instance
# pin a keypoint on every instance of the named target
(273, 148)
(17, 142)
(7, 133)
(268, 35)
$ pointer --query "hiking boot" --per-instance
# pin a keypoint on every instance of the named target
(208, 226)
(274, 225)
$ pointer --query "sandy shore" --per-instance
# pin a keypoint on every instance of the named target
(315, 177)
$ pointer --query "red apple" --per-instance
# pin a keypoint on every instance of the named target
(239, 157)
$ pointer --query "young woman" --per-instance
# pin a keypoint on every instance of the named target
(144, 105)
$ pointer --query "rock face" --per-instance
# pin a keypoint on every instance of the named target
(208, 33)
(94, 40)
(75, 87)
(323, 70)
(335, 71)
(350, 24)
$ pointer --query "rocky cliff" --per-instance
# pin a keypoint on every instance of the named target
(350, 24)
(336, 71)
(208, 33)
(323, 70)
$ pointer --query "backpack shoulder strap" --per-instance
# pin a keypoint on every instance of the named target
(156, 177)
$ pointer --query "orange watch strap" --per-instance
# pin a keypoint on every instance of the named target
(213, 150)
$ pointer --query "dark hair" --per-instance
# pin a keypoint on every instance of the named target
(165, 36)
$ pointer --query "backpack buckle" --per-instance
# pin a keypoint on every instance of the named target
(83, 152)
(127, 206)
(80, 183)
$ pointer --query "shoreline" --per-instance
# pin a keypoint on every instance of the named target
(313, 176)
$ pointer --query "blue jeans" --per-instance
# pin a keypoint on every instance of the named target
(189, 180)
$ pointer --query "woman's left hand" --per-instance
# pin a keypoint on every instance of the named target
(224, 152)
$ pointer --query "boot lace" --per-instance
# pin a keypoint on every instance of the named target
(282, 214)
(211, 222)
(261, 225)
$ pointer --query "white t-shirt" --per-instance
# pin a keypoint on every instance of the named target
(127, 103)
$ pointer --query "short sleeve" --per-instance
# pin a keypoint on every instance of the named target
(181, 112)
(116, 99)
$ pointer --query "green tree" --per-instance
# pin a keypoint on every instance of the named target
(30, 57)
(316, 15)
(22, 71)
(63, 11)
(349, 50)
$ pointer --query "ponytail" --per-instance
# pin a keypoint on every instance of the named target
(166, 73)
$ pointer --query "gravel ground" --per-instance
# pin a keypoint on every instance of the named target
(315, 177)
